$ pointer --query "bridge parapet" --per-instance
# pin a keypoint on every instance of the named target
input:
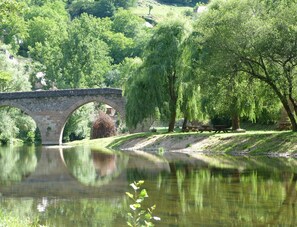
(60, 93)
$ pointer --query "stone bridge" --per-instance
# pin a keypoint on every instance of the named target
(51, 109)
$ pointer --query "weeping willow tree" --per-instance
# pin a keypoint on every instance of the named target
(190, 103)
(256, 39)
(190, 97)
(230, 98)
(140, 102)
(156, 88)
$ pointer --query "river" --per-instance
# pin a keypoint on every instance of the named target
(78, 186)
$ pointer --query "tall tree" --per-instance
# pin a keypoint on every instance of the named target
(85, 55)
(249, 37)
(47, 29)
(126, 22)
(190, 98)
(161, 70)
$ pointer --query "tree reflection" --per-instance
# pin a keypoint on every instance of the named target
(213, 196)
(241, 192)
(15, 163)
(92, 167)
(84, 212)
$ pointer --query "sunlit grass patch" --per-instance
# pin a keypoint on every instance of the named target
(250, 142)
(257, 142)
(158, 11)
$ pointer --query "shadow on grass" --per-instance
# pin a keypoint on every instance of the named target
(280, 142)
(117, 142)
(174, 140)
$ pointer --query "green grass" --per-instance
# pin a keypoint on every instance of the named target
(110, 142)
(250, 142)
(159, 11)
(257, 142)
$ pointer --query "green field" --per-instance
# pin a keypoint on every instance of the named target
(159, 11)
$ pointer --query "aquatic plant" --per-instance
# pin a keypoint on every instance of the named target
(161, 151)
(140, 216)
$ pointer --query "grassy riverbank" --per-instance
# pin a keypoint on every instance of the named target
(250, 143)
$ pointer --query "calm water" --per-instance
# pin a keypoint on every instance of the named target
(83, 187)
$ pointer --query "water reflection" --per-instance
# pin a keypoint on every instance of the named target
(85, 187)
(16, 163)
(92, 167)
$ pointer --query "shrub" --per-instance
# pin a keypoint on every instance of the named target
(103, 126)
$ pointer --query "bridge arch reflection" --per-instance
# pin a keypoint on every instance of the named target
(76, 175)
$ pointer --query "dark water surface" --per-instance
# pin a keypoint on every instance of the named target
(83, 187)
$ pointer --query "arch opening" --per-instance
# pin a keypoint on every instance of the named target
(79, 123)
(16, 124)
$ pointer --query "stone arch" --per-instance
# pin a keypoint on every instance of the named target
(23, 109)
(118, 106)
(101, 99)
(18, 106)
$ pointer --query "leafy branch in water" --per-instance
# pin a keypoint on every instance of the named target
(140, 216)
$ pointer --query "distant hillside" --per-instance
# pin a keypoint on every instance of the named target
(158, 10)
(183, 2)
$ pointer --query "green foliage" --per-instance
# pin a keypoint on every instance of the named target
(8, 127)
(15, 124)
(184, 2)
(124, 3)
(46, 23)
(161, 151)
(78, 125)
(12, 24)
(119, 45)
(127, 23)
(14, 76)
(158, 81)
(5, 79)
(85, 56)
(254, 41)
(190, 99)
(206, 74)
(16, 163)
(100, 9)
(126, 70)
(14, 72)
(81, 165)
(94, 167)
(140, 216)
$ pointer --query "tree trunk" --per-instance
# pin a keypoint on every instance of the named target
(172, 120)
(235, 122)
(184, 127)
(285, 101)
(172, 102)
(290, 114)
(294, 104)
